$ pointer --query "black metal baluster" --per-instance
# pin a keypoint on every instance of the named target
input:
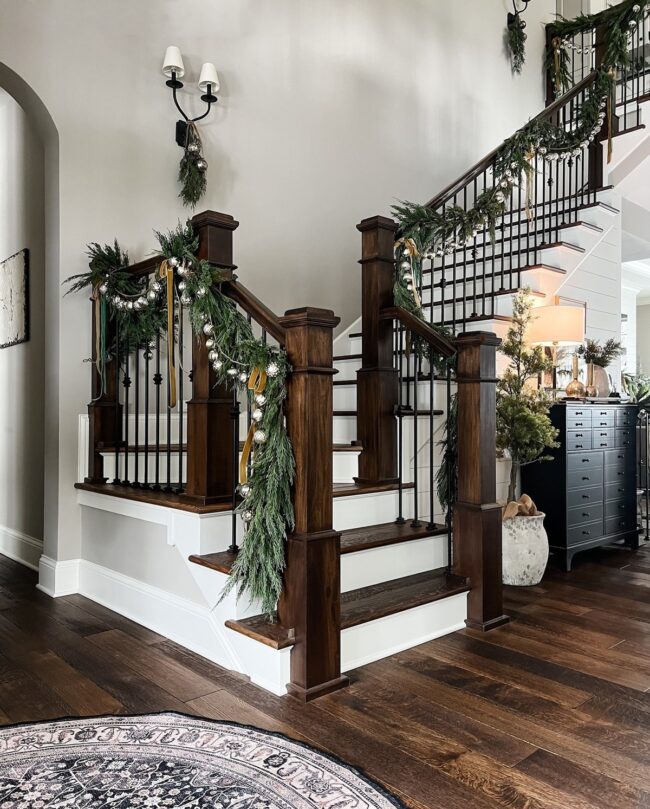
(126, 382)
(398, 336)
(147, 358)
(136, 407)
(415, 523)
(450, 477)
(118, 419)
(234, 413)
(430, 476)
(475, 257)
(181, 374)
(157, 381)
(168, 451)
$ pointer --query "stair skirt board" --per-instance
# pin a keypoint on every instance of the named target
(395, 633)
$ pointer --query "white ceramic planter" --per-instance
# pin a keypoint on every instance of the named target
(525, 550)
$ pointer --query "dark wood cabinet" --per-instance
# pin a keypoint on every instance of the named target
(588, 490)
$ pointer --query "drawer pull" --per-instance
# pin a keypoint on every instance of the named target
(586, 460)
(579, 446)
(585, 513)
(586, 533)
(603, 444)
(586, 496)
(586, 477)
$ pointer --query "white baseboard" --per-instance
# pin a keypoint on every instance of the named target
(58, 578)
(20, 547)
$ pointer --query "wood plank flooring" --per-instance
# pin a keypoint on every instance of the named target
(549, 712)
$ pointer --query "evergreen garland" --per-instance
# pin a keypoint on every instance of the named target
(235, 353)
(516, 40)
(193, 169)
(619, 22)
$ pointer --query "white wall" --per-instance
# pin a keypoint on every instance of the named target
(22, 366)
(628, 330)
(643, 338)
(329, 111)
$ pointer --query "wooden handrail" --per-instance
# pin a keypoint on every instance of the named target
(485, 162)
(253, 306)
(439, 342)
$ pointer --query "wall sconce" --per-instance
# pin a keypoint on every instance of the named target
(174, 69)
(193, 166)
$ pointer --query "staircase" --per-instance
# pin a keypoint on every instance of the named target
(373, 567)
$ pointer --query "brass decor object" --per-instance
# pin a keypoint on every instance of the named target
(575, 389)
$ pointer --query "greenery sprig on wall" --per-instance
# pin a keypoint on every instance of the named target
(238, 359)
(516, 40)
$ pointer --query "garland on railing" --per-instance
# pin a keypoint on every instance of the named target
(618, 23)
(144, 310)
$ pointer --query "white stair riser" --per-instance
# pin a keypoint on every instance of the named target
(376, 565)
(375, 640)
(345, 396)
(345, 429)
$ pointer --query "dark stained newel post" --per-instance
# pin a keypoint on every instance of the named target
(209, 412)
(377, 380)
(477, 515)
(310, 603)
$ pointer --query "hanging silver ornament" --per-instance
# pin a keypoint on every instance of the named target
(182, 285)
(173, 262)
(152, 343)
(408, 276)
(201, 292)
(156, 286)
(202, 164)
(244, 490)
(103, 288)
(136, 306)
(636, 8)
(148, 355)
(185, 299)
(143, 301)
(193, 147)
(247, 516)
(232, 372)
(208, 328)
(257, 414)
(260, 400)
(181, 271)
(272, 369)
(212, 356)
(117, 300)
(217, 365)
(151, 295)
(188, 263)
(243, 377)
(259, 436)
(129, 305)
(209, 343)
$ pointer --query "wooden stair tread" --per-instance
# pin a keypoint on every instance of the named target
(346, 357)
(405, 413)
(140, 448)
(390, 597)
(365, 604)
(156, 498)
(351, 489)
(259, 628)
(391, 533)
(222, 562)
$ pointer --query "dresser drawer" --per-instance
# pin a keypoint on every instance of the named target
(620, 474)
(626, 417)
(620, 457)
(584, 533)
(586, 496)
(585, 514)
(575, 419)
(603, 438)
(625, 436)
(619, 508)
(618, 525)
(577, 440)
(618, 490)
(583, 478)
(599, 414)
(584, 460)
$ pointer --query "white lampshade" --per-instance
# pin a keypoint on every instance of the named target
(557, 326)
(210, 76)
(173, 62)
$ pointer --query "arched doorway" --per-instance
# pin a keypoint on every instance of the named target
(29, 392)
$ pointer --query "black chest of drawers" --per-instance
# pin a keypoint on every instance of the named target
(588, 490)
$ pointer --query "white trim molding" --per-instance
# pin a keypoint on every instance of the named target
(20, 547)
(58, 578)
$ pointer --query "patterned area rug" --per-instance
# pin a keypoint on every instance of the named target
(172, 760)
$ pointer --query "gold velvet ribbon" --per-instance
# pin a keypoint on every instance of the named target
(611, 98)
(256, 384)
(166, 272)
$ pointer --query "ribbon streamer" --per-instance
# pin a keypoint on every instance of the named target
(166, 272)
(530, 186)
(99, 313)
(611, 98)
(557, 43)
(256, 384)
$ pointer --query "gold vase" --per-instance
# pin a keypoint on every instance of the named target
(592, 390)
(575, 389)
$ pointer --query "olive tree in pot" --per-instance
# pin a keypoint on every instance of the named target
(524, 433)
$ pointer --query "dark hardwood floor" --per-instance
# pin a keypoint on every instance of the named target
(548, 712)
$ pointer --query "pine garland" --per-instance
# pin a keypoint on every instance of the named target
(516, 40)
(193, 169)
(236, 354)
(618, 22)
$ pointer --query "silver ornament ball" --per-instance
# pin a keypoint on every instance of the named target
(257, 414)
(272, 369)
(208, 328)
(259, 436)
(260, 400)
(173, 262)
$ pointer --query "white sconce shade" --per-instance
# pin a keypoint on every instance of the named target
(209, 76)
(557, 326)
(173, 62)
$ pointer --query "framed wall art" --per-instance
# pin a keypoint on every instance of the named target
(14, 299)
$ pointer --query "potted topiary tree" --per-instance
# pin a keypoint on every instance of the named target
(524, 433)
